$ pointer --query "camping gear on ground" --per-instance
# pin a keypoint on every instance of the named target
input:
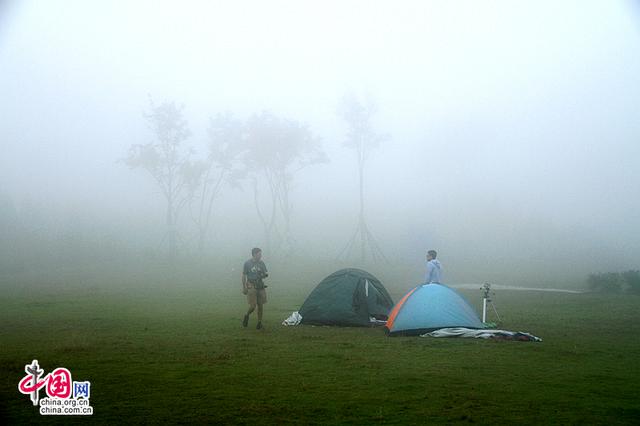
(294, 319)
(483, 334)
(348, 297)
(487, 300)
(429, 307)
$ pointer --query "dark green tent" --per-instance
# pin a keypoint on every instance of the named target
(349, 297)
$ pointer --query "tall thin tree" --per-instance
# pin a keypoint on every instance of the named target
(277, 149)
(362, 139)
(167, 160)
(219, 168)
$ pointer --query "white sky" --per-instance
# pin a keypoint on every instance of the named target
(527, 108)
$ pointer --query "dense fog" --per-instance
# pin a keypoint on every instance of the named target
(505, 135)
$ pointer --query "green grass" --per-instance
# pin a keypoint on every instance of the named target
(170, 348)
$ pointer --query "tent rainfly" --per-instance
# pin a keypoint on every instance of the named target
(348, 297)
(430, 307)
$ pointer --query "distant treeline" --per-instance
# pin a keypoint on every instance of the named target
(615, 282)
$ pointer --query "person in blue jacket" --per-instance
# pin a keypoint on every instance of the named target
(434, 268)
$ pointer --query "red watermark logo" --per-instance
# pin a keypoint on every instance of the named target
(65, 396)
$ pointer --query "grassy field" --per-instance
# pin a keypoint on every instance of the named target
(169, 348)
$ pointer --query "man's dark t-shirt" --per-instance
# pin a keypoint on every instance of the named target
(255, 271)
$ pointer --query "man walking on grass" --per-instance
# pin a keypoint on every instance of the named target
(253, 274)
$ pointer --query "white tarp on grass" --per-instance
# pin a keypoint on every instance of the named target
(483, 334)
(294, 319)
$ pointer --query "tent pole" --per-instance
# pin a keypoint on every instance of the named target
(484, 309)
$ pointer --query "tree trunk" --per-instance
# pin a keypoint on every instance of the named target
(171, 229)
(361, 224)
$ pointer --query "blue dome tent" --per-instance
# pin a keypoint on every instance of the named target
(429, 307)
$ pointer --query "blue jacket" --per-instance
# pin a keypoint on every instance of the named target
(434, 272)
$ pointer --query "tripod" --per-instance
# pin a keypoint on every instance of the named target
(486, 298)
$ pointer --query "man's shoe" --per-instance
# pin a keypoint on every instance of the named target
(245, 321)
(259, 326)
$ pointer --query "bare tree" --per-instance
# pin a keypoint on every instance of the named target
(167, 160)
(219, 168)
(276, 150)
(363, 139)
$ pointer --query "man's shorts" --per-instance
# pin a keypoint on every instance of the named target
(256, 297)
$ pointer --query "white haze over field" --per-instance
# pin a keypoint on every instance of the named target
(515, 126)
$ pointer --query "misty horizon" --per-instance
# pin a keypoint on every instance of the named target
(514, 132)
